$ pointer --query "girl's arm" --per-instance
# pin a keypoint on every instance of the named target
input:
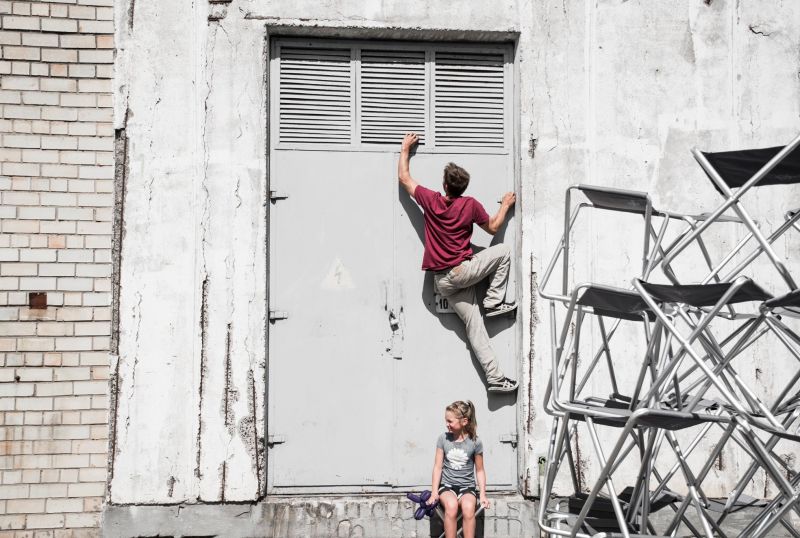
(480, 475)
(437, 475)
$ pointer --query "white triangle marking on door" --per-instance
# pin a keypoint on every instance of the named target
(338, 277)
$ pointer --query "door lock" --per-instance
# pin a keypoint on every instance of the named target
(395, 349)
(394, 323)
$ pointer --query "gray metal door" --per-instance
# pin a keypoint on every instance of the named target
(360, 364)
(437, 366)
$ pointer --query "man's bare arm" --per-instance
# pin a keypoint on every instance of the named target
(403, 173)
(495, 222)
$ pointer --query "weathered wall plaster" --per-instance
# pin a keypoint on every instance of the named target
(611, 93)
(617, 93)
(190, 387)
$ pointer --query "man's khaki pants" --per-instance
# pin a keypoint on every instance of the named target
(458, 286)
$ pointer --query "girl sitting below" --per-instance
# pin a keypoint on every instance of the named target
(459, 460)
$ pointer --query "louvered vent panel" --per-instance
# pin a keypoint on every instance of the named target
(315, 95)
(392, 95)
(468, 99)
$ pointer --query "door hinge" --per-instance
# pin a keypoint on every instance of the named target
(277, 195)
(510, 438)
(273, 440)
(275, 315)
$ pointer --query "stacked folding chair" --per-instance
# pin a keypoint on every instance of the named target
(656, 375)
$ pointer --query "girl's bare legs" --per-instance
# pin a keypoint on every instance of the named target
(468, 504)
(450, 503)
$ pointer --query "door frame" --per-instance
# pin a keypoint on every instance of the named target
(508, 43)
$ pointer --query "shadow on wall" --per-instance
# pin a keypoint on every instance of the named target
(451, 322)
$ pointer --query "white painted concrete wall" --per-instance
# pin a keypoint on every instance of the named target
(614, 93)
(192, 334)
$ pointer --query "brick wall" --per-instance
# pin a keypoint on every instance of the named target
(56, 183)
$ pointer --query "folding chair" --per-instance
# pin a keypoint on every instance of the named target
(600, 303)
(786, 407)
(605, 199)
(628, 512)
(694, 336)
(582, 197)
(742, 171)
(653, 414)
(566, 400)
(627, 202)
(689, 304)
(747, 412)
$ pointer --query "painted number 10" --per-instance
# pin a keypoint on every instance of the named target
(443, 305)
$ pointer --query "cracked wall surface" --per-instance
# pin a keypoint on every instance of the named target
(193, 256)
(617, 94)
(193, 260)
(610, 93)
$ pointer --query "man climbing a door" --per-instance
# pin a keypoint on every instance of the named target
(456, 269)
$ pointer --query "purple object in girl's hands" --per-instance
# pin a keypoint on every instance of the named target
(422, 500)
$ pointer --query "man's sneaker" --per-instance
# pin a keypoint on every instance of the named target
(504, 385)
(502, 308)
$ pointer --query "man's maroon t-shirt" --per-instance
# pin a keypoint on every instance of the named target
(448, 227)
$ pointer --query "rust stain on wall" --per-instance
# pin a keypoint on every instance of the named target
(230, 394)
(248, 431)
(203, 370)
(534, 322)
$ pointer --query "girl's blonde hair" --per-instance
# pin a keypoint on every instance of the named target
(465, 410)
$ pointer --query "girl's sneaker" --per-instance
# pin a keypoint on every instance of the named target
(504, 385)
(502, 308)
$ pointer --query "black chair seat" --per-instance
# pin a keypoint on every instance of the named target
(737, 167)
(704, 294)
(615, 303)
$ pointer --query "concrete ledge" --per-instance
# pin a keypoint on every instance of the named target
(385, 516)
(378, 516)
(324, 30)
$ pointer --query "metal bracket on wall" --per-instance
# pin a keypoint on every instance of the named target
(275, 315)
(510, 438)
(277, 195)
(273, 440)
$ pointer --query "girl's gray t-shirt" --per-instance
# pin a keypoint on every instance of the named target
(459, 460)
